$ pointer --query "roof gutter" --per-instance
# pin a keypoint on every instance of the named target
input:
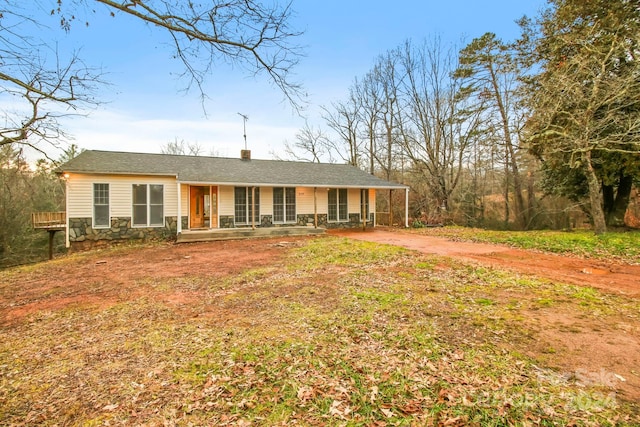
(62, 172)
(308, 185)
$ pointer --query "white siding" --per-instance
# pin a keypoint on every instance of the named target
(322, 196)
(80, 195)
(184, 199)
(304, 200)
(266, 201)
(80, 189)
(353, 199)
(226, 201)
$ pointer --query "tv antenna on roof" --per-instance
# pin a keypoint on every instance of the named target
(244, 128)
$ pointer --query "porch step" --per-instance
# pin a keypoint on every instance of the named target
(245, 233)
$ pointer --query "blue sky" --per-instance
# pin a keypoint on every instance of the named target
(144, 108)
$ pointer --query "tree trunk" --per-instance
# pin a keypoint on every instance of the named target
(615, 208)
(390, 209)
(520, 213)
(595, 196)
(506, 189)
(531, 199)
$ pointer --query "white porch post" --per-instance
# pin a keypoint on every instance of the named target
(67, 242)
(406, 208)
(253, 208)
(179, 222)
(315, 207)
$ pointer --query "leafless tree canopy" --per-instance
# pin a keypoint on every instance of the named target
(39, 84)
(552, 115)
(311, 145)
(254, 35)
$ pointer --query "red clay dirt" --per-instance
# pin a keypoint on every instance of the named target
(594, 350)
(107, 277)
(609, 347)
(609, 277)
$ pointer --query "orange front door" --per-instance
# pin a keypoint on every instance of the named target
(196, 207)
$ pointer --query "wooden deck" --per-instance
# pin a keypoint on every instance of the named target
(244, 233)
(49, 220)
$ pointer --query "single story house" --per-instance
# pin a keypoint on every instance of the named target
(120, 195)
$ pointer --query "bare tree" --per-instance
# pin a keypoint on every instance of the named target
(408, 108)
(438, 129)
(182, 148)
(246, 33)
(370, 98)
(311, 145)
(344, 119)
(37, 85)
(252, 34)
(391, 76)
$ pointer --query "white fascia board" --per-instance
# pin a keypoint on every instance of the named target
(170, 175)
(262, 184)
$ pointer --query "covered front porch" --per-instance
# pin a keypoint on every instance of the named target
(210, 208)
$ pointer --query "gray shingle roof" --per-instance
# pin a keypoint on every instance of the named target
(220, 170)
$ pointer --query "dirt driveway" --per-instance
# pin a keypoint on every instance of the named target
(610, 277)
(601, 349)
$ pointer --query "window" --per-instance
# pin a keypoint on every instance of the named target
(337, 210)
(243, 204)
(284, 204)
(148, 205)
(101, 205)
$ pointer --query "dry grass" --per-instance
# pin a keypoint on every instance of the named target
(335, 333)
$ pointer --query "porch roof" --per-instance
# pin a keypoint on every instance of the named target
(229, 171)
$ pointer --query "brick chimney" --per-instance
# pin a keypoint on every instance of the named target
(245, 154)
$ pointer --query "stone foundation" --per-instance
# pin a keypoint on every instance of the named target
(266, 221)
(82, 233)
(304, 220)
(227, 221)
(307, 220)
(354, 222)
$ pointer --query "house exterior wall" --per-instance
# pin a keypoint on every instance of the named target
(304, 207)
(226, 201)
(81, 228)
(266, 201)
(184, 200)
(304, 200)
(82, 231)
(80, 189)
(322, 200)
(353, 201)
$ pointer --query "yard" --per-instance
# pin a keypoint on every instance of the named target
(344, 329)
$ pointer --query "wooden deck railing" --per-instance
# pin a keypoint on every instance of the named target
(49, 220)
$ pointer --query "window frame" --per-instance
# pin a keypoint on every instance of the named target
(107, 204)
(341, 205)
(247, 200)
(288, 206)
(150, 206)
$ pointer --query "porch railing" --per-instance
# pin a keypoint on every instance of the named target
(49, 220)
